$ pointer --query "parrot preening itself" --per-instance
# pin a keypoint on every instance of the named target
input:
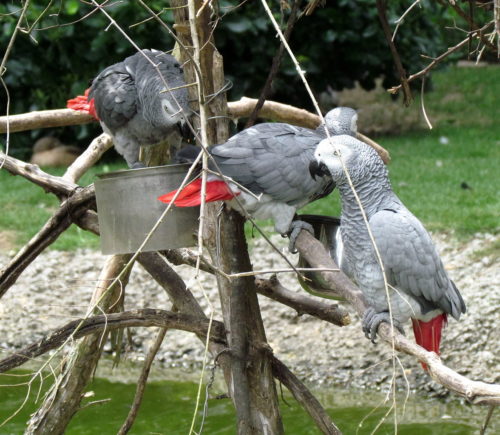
(270, 160)
(418, 285)
(139, 101)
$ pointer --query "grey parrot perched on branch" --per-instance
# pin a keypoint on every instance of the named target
(269, 164)
(418, 284)
(140, 101)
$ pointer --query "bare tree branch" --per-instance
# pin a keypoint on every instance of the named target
(69, 211)
(88, 158)
(141, 383)
(141, 318)
(438, 59)
(304, 397)
(238, 109)
(302, 303)
(43, 119)
(382, 7)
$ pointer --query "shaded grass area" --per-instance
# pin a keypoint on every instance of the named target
(26, 207)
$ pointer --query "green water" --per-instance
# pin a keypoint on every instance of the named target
(168, 408)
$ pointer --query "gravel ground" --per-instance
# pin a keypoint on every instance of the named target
(57, 287)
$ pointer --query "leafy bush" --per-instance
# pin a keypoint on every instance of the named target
(337, 45)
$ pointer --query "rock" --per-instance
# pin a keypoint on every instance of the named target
(62, 156)
(49, 151)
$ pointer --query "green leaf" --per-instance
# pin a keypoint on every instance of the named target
(71, 6)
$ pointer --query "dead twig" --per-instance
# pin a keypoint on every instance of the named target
(141, 383)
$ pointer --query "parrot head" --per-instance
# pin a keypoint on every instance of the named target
(327, 158)
(342, 120)
(333, 154)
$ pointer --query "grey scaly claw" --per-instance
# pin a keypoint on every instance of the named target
(293, 233)
(372, 320)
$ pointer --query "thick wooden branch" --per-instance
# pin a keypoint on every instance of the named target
(33, 173)
(140, 318)
(43, 119)
(304, 397)
(88, 158)
(475, 391)
(70, 211)
(237, 109)
(303, 303)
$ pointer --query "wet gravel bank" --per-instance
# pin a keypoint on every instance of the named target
(57, 287)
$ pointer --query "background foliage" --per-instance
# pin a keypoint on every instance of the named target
(338, 44)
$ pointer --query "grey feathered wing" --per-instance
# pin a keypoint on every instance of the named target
(412, 263)
(273, 158)
(116, 101)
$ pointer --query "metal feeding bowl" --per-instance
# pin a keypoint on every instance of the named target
(326, 230)
(128, 208)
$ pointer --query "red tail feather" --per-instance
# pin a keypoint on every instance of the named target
(428, 334)
(190, 196)
(82, 104)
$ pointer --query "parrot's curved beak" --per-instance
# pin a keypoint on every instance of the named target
(318, 169)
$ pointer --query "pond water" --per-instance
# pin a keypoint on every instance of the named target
(168, 407)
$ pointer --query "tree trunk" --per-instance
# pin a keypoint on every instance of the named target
(252, 387)
(62, 401)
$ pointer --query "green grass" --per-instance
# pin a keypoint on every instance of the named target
(426, 174)
(26, 207)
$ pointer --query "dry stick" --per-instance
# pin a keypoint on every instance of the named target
(69, 211)
(469, 19)
(43, 119)
(303, 304)
(292, 19)
(381, 7)
(88, 158)
(141, 383)
(147, 317)
(437, 60)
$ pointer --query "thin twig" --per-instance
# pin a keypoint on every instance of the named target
(292, 19)
(141, 383)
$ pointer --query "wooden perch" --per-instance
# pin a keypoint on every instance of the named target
(43, 119)
(303, 303)
(475, 391)
(237, 109)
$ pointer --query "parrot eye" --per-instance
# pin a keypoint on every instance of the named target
(336, 153)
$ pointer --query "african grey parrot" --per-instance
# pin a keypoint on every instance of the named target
(419, 286)
(139, 101)
(270, 160)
